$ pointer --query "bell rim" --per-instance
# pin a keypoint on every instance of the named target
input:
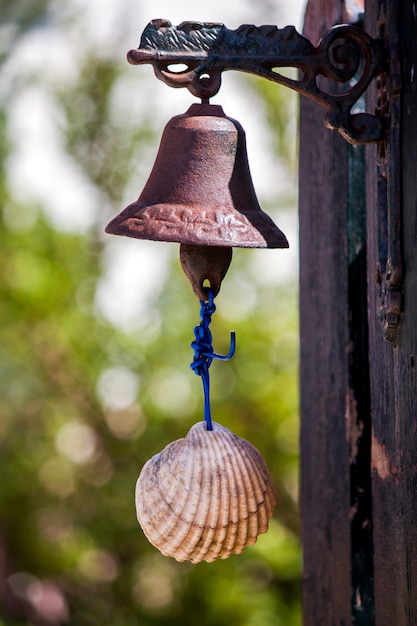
(145, 222)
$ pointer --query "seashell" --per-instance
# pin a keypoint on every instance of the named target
(205, 496)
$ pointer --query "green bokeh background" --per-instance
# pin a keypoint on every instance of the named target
(71, 449)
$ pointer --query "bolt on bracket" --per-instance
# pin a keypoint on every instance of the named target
(345, 55)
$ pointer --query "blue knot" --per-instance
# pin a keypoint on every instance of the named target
(204, 353)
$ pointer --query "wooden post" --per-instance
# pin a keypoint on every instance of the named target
(393, 372)
(358, 391)
(323, 355)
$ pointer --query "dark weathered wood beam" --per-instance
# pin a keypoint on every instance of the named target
(325, 500)
(393, 370)
(335, 401)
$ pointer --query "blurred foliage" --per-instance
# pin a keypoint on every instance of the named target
(17, 17)
(84, 404)
(280, 106)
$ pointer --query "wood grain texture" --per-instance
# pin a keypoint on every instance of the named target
(393, 370)
(358, 401)
(325, 498)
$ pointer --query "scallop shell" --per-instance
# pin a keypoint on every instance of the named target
(206, 496)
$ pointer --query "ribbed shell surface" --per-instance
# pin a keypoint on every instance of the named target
(206, 496)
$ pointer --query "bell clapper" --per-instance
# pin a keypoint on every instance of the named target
(205, 263)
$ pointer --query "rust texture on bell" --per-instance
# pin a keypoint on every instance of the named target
(200, 190)
(206, 496)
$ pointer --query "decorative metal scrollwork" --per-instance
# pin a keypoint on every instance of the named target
(345, 55)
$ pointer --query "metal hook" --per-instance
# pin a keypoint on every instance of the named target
(231, 352)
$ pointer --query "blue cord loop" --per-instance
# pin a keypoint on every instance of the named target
(204, 353)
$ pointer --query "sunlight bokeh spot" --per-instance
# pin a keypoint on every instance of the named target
(126, 424)
(57, 476)
(76, 441)
(98, 565)
(171, 392)
(154, 584)
(117, 388)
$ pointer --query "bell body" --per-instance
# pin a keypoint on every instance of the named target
(200, 189)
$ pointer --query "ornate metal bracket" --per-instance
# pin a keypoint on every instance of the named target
(335, 74)
(345, 55)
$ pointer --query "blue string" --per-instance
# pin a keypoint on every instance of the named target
(204, 353)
